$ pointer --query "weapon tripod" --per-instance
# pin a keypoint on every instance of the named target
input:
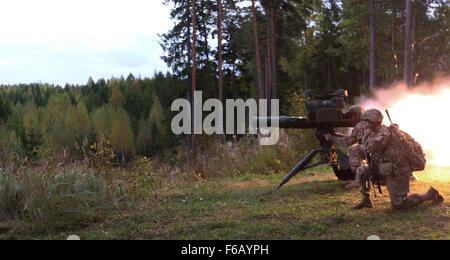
(335, 158)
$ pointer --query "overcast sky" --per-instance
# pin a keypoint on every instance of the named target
(68, 41)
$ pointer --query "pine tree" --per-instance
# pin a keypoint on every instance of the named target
(407, 73)
(102, 120)
(117, 99)
(32, 128)
(258, 59)
(156, 116)
(77, 125)
(144, 140)
(219, 46)
(122, 137)
(372, 46)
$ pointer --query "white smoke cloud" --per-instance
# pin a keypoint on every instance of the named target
(422, 111)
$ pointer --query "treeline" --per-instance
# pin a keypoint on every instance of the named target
(305, 44)
(308, 44)
(132, 115)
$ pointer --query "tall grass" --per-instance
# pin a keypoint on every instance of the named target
(217, 159)
(233, 158)
(64, 199)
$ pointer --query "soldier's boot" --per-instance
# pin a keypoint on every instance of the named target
(433, 195)
(365, 203)
(438, 199)
(415, 199)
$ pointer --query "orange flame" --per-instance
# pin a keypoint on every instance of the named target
(423, 112)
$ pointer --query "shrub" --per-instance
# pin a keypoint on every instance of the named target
(142, 180)
(217, 159)
(70, 197)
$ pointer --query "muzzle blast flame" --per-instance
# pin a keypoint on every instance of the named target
(423, 112)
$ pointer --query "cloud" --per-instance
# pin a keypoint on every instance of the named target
(68, 41)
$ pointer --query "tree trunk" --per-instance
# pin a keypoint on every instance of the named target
(194, 54)
(267, 67)
(394, 26)
(361, 22)
(372, 46)
(189, 80)
(329, 72)
(194, 71)
(407, 79)
(268, 73)
(273, 56)
(394, 37)
(268, 70)
(258, 60)
(305, 61)
(219, 37)
(412, 75)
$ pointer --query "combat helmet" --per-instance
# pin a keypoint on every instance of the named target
(356, 110)
(373, 116)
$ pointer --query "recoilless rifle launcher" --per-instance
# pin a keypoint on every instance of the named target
(325, 112)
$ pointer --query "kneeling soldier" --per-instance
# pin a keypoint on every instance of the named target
(386, 162)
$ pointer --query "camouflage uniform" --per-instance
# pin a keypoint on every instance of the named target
(357, 151)
(387, 162)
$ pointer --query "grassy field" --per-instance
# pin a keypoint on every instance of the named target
(314, 205)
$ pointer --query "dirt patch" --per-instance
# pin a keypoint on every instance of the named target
(261, 182)
(248, 184)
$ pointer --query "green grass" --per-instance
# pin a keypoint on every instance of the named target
(313, 205)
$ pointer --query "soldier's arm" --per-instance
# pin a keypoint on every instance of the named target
(379, 141)
(344, 140)
(348, 140)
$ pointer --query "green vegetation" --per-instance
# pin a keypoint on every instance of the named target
(100, 160)
(314, 205)
(56, 201)
(48, 121)
(319, 45)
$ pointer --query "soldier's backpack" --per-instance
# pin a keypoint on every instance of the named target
(409, 148)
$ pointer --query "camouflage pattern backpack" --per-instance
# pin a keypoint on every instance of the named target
(409, 148)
